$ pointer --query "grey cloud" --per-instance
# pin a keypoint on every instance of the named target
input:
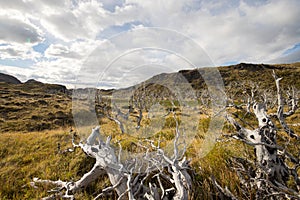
(10, 52)
(37, 7)
(231, 30)
(290, 58)
(61, 51)
(17, 52)
(15, 4)
(17, 31)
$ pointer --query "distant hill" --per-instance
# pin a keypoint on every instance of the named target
(32, 85)
(32, 81)
(258, 73)
(5, 78)
(35, 106)
(240, 75)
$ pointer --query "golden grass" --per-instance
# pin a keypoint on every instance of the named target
(29, 154)
(34, 154)
(32, 110)
(25, 156)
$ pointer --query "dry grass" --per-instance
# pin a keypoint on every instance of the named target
(25, 156)
(28, 110)
(34, 154)
(28, 149)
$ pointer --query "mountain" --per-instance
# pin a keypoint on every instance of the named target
(5, 78)
(29, 107)
(257, 73)
(35, 106)
(236, 79)
(34, 85)
(32, 81)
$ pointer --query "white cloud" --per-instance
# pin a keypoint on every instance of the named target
(61, 71)
(21, 73)
(292, 57)
(85, 21)
(120, 59)
(18, 51)
(59, 50)
(18, 31)
(230, 30)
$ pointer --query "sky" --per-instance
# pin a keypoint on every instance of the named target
(117, 43)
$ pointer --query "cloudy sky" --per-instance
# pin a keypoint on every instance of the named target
(115, 42)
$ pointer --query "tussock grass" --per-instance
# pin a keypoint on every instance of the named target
(25, 108)
(28, 149)
(34, 154)
(25, 156)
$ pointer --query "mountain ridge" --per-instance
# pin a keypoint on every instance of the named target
(35, 106)
(191, 75)
(6, 78)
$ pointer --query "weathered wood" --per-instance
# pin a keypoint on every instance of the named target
(280, 113)
(270, 174)
(125, 178)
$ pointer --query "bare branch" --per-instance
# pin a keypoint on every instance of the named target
(280, 113)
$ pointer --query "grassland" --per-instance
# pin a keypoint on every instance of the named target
(33, 107)
(34, 121)
(35, 154)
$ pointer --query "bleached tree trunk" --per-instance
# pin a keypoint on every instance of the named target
(264, 141)
(127, 180)
(106, 162)
(280, 110)
(272, 172)
(116, 116)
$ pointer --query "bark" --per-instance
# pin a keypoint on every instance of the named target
(264, 141)
(270, 175)
(128, 180)
(280, 113)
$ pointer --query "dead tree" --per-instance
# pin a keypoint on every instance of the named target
(144, 97)
(154, 175)
(281, 115)
(115, 114)
(274, 168)
(142, 100)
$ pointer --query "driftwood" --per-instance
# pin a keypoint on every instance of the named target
(135, 179)
(274, 165)
(156, 175)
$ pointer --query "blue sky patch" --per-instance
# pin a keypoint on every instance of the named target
(296, 47)
(41, 47)
(24, 63)
(114, 30)
(3, 45)
(110, 5)
(230, 63)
